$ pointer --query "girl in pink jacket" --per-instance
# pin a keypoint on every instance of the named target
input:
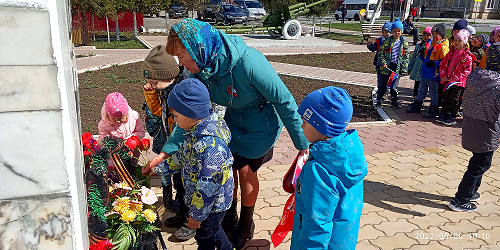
(453, 70)
(118, 119)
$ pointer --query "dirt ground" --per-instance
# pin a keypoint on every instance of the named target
(128, 80)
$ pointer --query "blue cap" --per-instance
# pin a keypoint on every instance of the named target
(460, 25)
(190, 98)
(387, 26)
(328, 110)
(397, 24)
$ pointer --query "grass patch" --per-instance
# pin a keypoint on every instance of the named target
(130, 44)
(85, 55)
(343, 26)
(343, 37)
(96, 85)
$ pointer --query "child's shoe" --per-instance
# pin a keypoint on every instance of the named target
(395, 105)
(449, 121)
(432, 113)
(167, 196)
(175, 221)
(475, 197)
(185, 233)
(379, 103)
(415, 107)
(467, 207)
(440, 119)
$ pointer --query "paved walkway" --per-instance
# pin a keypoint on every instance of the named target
(414, 169)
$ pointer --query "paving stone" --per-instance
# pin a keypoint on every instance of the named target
(399, 240)
(432, 233)
(375, 196)
(487, 222)
(365, 245)
(267, 193)
(277, 201)
(379, 177)
(455, 217)
(384, 162)
(268, 212)
(429, 163)
(408, 153)
(453, 160)
(407, 159)
(490, 247)
(270, 184)
(261, 203)
(464, 243)
(368, 232)
(487, 208)
(426, 179)
(428, 157)
(454, 167)
(280, 168)
(429, 220)
(434, 245)
(371, 218)
(271, 176)
(392, 227)
(429, 170)
(381, 169)
(266, 224)
(395, 191)
(371, 186)
(405, 181)
(430, 187)
(451, 175)
(464, 226)
(489, 236)
(190, 247)
(374, 206)
(396, 213)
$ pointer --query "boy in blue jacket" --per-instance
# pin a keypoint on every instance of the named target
(329, 190)
(204, 160)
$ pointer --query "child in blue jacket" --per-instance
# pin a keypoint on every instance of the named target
(375, 46)
(329, 190)
(204, 160)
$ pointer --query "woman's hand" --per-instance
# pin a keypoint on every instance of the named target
(303, 152)
(192, 224)
(385, 66)
(444, 79)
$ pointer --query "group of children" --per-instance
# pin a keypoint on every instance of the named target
(449, 69)
(203, 161)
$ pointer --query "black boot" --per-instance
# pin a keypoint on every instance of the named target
(230, 220)
(167, 196)
(433, 112)
(245, 229)
(415, 107)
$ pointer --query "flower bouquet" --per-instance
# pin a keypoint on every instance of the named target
(135, 144)
(130, 214)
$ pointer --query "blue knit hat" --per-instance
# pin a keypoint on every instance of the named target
(190, 98)
(460, 25)
(328, 110)
(397, 24)
(387, 26)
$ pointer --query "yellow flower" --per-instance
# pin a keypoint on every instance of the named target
(121, 205)
(150, 215)
(128, 216)
(135, 206)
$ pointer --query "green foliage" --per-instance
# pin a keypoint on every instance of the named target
(131, 44)
(320, 9)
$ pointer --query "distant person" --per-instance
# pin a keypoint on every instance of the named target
(459, 25)
(409, 29)
(415, 65)
(422, 10)
(417, 17)
(343, 11)
(375, 46)
(454, 68)
(480, 129)
(329, 190)
(393, 56)
(413, 11)
(478, 47)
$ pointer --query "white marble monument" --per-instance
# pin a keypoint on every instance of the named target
(42, 194)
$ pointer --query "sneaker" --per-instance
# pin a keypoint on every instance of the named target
(467, 207)
(175, 221)
(185, 233)
(475, 197)
(440, 119)
(460, 114)
(450, 121)
(379, 103)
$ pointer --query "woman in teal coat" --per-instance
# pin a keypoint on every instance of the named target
(257, 103)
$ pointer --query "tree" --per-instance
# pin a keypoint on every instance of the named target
(194, 4)
(82, 7)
